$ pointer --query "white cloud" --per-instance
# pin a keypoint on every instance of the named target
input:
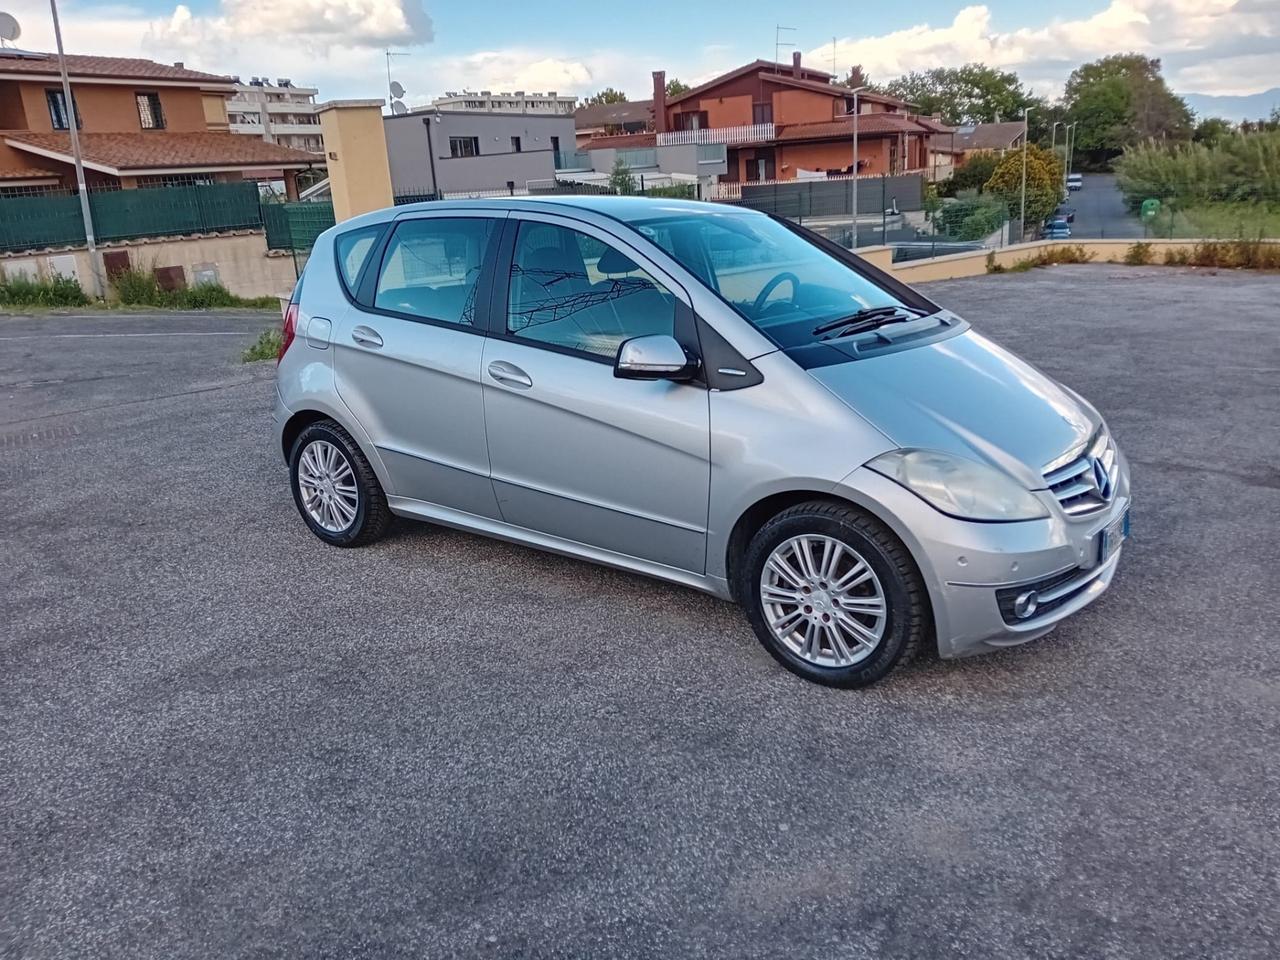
(1198, 40)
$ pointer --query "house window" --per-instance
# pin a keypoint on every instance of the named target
(149, 112)
(174, 180)
(515, 144)
(555, 144)
(694, 120)
(58, 109)
(762, 112)
(464, 146)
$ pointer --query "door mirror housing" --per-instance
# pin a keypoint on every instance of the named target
(655, 357)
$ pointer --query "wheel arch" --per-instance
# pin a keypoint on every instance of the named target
(764, 509)
(299, 420)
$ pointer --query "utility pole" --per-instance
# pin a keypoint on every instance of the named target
(1070, 151)
(856, 91)
(72, 127)
(1022, 213)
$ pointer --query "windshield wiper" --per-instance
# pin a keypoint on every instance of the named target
(868, 318)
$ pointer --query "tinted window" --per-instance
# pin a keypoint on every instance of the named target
(431, 268)
(352, 251)
(572, 290)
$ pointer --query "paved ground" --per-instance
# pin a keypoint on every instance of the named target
(1100, 211)
(222, 739)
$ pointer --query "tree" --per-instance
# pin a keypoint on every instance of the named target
(675, 88)
(1044, 182)
(607, 95)
(857, 78)
(1212, 129)
(973, 93)
(973, 174)
(621, 181)
(1119, 101)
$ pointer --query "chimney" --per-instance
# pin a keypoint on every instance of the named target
(178, 64)
(795, 64)
(660, 101)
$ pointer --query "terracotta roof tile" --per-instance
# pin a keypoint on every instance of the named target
(145, 151)
(988, 136)
(622, 140)
(25, 173)
(129, 68)
(869, 125)
(774, 70)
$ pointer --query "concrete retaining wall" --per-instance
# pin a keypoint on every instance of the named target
(239, 261)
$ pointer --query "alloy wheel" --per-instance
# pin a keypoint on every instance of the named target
(328, 486)
(823, 601)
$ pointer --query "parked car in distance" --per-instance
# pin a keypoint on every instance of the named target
(1075, 181)
(1057, 230)
(1065, 212)
(706, 395)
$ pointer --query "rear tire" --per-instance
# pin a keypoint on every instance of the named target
(334, 488)
(841, 602)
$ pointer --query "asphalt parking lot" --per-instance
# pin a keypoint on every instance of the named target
(222, 739)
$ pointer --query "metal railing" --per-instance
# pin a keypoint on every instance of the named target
(746, 133)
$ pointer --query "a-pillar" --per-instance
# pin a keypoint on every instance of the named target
(355, 148)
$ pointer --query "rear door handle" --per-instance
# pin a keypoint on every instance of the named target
(366, 336)
(510, 374)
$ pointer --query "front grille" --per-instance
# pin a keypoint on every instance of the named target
(1088, 482)
(1052, 592)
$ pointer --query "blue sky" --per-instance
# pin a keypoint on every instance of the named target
(1209, 46)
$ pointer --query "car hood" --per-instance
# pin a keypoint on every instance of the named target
(966, 395)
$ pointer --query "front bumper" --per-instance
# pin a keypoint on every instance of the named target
(966, 564)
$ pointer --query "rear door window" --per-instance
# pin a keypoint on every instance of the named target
(432, 268)
(352, 251)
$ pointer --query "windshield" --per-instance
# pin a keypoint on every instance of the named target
(787, 287)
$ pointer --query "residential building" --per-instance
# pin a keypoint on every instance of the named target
(141, 124)
(987, 138)
(485, 101)
(784, 122)
(277, 113)
(455, 151)
(610, 119)
(649, 165)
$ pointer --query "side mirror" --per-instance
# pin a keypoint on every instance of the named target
(655, 357)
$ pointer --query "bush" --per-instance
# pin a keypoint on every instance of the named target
(1231, 255)
(971, 217)
(138, 287)
(1072, 253)
(1139, 254)
(266, 347)
(1234, 169)
(57, 291)
(1043, 181)
(973, 174)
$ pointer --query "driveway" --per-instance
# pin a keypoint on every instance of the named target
(223, 739)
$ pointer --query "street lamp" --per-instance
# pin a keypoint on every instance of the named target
(1053, 134)
(1022, 213)
(856, 91)
(70, 107)
(1070, 151)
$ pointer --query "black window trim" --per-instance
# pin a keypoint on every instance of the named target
(684, 324)
(352, 292)
(49, 93)
(159, 121)
(366, 292)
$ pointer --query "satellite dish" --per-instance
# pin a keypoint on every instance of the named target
(398, 108)
(397, 91)
(9, 29)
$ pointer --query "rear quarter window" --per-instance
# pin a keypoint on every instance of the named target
(352, 252)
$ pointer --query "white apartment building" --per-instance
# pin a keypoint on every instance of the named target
(277, 112)
(548, 104)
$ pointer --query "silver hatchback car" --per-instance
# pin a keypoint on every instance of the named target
(703, 394)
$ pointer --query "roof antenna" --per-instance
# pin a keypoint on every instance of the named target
(778, 43)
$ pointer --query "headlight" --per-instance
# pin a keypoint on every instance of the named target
(960, 487)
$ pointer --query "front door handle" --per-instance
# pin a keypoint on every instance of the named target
(510, 374)
(366, 336)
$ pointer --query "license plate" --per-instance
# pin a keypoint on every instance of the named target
(1113, 534)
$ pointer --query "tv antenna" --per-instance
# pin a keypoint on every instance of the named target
(9, 29)
(779, 43)
(394, 90)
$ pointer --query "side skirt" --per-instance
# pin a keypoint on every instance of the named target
(471, 523)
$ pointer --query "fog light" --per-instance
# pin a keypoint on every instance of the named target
(1025, 604)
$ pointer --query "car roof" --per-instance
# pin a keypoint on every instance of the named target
(626, 209)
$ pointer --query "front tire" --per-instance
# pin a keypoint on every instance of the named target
(833, 595)
(335, 489)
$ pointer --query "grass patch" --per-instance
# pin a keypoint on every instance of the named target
(1048, 257)
(138, 287)
(58, 291)
(266, 347)
(1138, 255)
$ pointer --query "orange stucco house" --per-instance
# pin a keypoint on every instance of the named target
(141, 124)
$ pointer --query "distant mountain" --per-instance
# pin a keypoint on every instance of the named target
(1255, 106)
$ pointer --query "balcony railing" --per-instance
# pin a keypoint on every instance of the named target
(747, 133)
(641, 157)
(575, 160)
(712, 153)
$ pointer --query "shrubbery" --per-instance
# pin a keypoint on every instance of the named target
(1232, 169)
(138, 287)
(58, 291)
(266, 347)
(971, 217)
(1227, 254)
